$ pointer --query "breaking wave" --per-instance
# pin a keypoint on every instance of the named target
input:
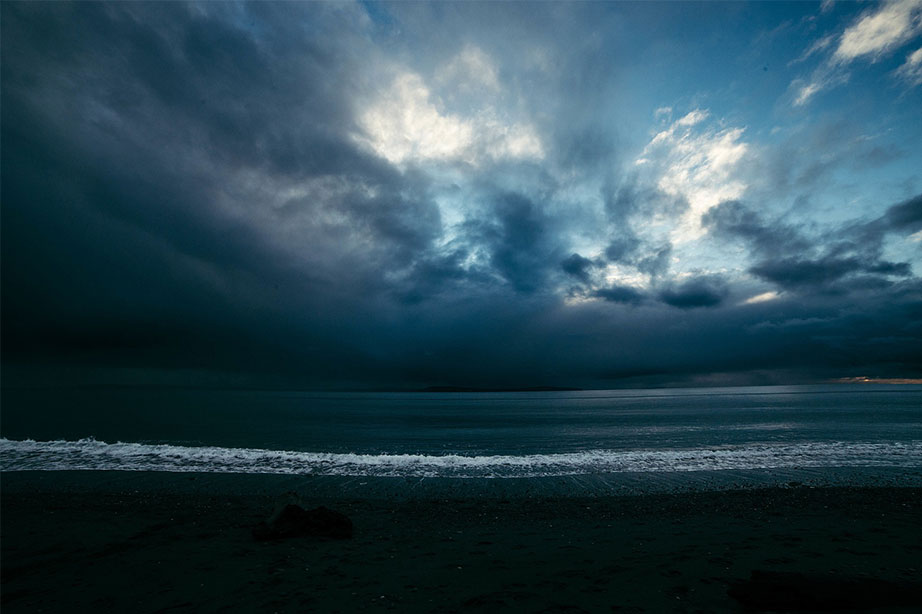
(90, 454)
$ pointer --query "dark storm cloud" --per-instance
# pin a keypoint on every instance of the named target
(846, 257)
(734, 219)
(793, 273)
(789, 339)
(884, 267)
(657, 263)
(577, 266)
(193, 76)
(121, 125)
(905, 217)
(169, 132)
(521, 244)
(705, 291)
(622, 248)
(171, 96)
(628, 249)
(620, 294)
(902, 218)
(190, 188)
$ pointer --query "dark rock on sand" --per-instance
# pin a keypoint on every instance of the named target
(295, 521)
(774, 590)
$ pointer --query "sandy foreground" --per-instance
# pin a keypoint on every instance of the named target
(72, 543)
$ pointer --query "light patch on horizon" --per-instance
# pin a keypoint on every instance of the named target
(575, 300)
(878, 380)
(698, 164)
(407, 123)
(762, 298)
(616, 274)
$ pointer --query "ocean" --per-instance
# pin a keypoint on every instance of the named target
(464, 435)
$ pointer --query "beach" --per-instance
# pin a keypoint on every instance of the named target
(119, 541)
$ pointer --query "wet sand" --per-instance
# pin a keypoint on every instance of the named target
(180, 543)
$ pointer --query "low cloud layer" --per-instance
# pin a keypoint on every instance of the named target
(297, 193)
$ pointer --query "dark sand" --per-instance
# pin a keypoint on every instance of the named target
(170, 546)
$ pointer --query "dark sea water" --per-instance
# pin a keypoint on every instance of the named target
(471, 435)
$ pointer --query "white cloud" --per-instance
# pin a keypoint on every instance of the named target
(879, 32)
(911, 70)
(806, 92)
(406, 123)
(823, 78)
(875, 34)
(695, 117)
(697, 163)
(690, 119)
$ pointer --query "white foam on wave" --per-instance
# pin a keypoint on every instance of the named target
(90, 454)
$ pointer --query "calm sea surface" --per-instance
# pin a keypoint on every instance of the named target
(465, 434)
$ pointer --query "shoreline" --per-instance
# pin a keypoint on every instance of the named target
(167, 543)
(334, 487)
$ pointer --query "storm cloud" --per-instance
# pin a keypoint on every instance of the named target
(793, 260)
(404, 195)
(699, 292)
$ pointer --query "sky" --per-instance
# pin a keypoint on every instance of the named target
(371, 195)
